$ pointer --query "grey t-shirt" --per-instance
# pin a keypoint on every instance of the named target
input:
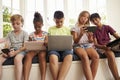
(16, 41)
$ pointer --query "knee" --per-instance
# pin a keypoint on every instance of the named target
(28, 57)
(53, 59)
(110, 56)
(17, 60)
(68, 58)
(42, 56)
(42, 59)
(95, 57)
(84, 58)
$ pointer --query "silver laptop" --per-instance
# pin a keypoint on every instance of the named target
(59, 43)
(35, 45)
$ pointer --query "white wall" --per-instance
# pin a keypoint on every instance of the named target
(113, 12)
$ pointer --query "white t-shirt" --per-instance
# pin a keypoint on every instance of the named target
(84, 38)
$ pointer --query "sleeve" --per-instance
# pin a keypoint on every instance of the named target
(31, 34)
(73, 29)
(26, 36)
(45, 33)
(68, 32)
(111, 30)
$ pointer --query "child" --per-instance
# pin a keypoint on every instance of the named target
(15, 39)
(37, 35)
(54, 56)
(101, 38)
(83, 46)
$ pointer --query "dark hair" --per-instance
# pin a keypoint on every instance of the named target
(94, 15)
(58, 15)
(37, 18)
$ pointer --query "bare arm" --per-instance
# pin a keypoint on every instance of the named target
(46, 41)
(76, 38)
(98, 45)
(116, 35)
(90, 37)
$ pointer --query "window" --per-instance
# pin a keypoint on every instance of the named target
(9, 7)
(71, 9)
(74, 9)
(98, 6)
(31, 7)
(12, 5)
(52, 6)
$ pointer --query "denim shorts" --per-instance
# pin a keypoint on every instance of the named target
(61, 54)
(22, 52)
(86, 45)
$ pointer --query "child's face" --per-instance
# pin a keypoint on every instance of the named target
(38, 26)
(59, 22)
(17, 24)
(84, 18)
(96, 21)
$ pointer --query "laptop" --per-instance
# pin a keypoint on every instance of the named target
(59, 43)
(113, 43)
(35, 45)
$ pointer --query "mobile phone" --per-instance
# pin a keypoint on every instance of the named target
(6, 50)
(91, 29)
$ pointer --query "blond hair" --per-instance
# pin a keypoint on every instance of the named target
(16, 17)
(81, 14)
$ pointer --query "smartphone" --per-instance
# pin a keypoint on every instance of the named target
(91, 29)
(6, 50)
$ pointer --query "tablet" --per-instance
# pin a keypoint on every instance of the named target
(35, 45)
(113, 43)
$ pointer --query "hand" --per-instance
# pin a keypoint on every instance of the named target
(45, 43)
(12, 53)
(90, 36)
(5, 55)
(106, 48)
(31, 38)
(82, 30)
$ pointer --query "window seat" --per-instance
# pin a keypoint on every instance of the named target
(10, 61)
(75, 72)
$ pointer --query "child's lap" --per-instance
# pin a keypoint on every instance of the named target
(86, 48)
(60, 54)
